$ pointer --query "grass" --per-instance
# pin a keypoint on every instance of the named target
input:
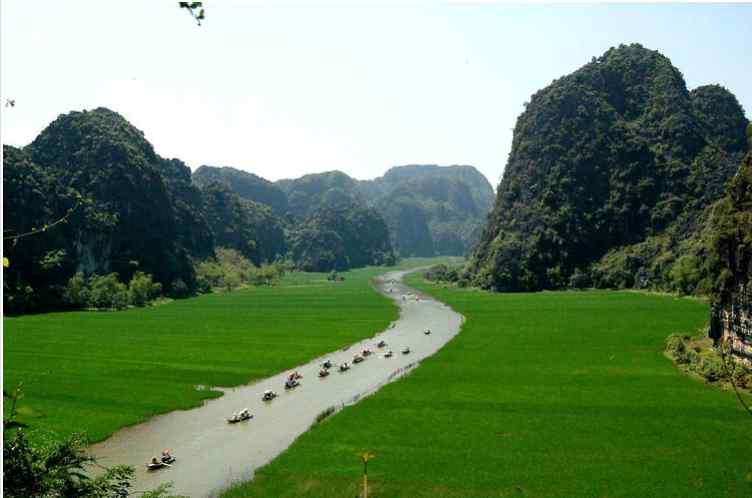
(541, 395)
(95, 372)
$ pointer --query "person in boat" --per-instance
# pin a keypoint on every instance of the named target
(154, 461)
(166, 457)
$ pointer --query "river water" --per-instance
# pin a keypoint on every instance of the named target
(212, 454)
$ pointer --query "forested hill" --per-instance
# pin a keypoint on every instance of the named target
(127, 208)
(90, 198)
(247, 185)
(310, 193)
(612, 169)
(431, 209)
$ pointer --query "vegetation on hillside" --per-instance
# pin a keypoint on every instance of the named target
(247, 185)
(614, 155)
(136, 212)
(312, 193)
(244, 225)
(341, 238)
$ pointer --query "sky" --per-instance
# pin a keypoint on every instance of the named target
(283, 88)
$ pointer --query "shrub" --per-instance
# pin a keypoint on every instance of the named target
(107, 292)
(676, 347)
(230, 269)
(580, 280)
(77, 292)
(711, 368)
(179, 289)
(442, 273)
(142, 289)
(203, 285)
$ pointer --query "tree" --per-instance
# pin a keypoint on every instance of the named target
(107, 292)
(142, 289)
(77, 292)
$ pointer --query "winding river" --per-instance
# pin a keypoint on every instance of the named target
(212, 454)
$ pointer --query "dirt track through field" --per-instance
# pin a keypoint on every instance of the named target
(212, 454)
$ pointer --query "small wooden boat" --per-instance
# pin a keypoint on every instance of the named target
(344, 367)
(388, 354)
(427, 332)
(381, 344)
(367, 352)
(406, 351)
(160, 463)
(239, 417)
(357, 358)
(268, 395)
(323, 372)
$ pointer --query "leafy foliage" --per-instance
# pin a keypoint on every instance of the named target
(230, 269)
(107, 292)
(142, 289)
(196, 10)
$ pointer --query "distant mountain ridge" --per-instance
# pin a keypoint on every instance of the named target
(480, 188)
(429, 209)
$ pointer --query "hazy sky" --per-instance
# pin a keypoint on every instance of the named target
(287, 88)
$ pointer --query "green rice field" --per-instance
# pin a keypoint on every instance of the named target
(562, 394)
(95, 372)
